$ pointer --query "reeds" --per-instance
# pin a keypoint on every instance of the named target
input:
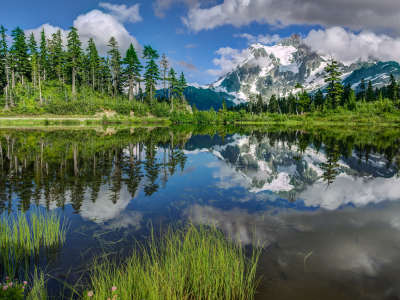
(20, 239)
(194, 262)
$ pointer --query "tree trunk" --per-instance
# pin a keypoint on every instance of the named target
(12, 79)
(130, 88)
(151, 94)
(6, 107)
(172, 100)
(73, 81)
(93, 76)
(40, 89)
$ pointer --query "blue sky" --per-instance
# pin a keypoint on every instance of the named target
(355, 28)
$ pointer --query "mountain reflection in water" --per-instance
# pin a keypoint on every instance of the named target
(324, 203)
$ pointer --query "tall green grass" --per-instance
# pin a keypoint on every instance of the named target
(21, 239)
(194, 262)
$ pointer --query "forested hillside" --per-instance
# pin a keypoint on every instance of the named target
(57, 76)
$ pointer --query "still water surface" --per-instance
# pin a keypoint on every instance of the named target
(323, 202)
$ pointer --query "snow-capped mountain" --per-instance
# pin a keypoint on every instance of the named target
(266, 165)
(277, 69)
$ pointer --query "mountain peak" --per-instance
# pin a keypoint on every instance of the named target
(294, 40)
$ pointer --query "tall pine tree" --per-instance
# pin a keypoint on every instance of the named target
(152, 73)
(43, 55)
(164, 69)
(20, 57)
(334, 88)
(131, 72)
(173, 83)
(74, 54)
(93, 62)
(370, 96)
(273, 104)
(182, 85)
(3, 58)
(115, 63)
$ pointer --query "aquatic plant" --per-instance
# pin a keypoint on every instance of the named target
(20, 239)
(193, 262)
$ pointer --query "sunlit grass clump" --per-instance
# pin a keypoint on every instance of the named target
(196, 262)
(20, 238)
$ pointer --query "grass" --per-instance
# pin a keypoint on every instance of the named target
(193, 262)
(20, 239)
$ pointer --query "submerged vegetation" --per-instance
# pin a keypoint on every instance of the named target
(193, 262)
(21, 239)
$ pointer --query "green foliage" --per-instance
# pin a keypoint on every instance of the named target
(334, 88)
(273, 104)
(12, 290)
(194, 262)
(152, 73)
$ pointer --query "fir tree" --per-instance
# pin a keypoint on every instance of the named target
(346, 95)
(3, 59)
(56, 54)
(93, 61)
(259, 104)
(362, 88)
(132, 69)
(74, 54)
(152, 73)
(304, 102)
(164, 69)
(392, 88)
(43, 54)
(319, 98)
(32, 45)
(292, 103)
(223, 104)
(19, 53)
(370, 96)
(352, 105)
(273, 104)
(115, 64)
(173, 83)
(182, 85)
(334, 88)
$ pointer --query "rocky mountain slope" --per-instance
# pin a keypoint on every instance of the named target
(277, 69)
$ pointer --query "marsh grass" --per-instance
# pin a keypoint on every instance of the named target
(193, 262)
(21, 239)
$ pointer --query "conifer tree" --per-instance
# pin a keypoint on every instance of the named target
(370, 96)
(273, 104)
(43, 54)
(334, 88)
(319, 98)
(346, 95)
(152, 73)
(115, 63)
(3, 59)
(93, 61)
(352, 105)
(259, 104)
(292, 103)
(173, 83)
(32, 45)
(55, 55)
(224, 108)
(304, 102)
(182, 85)
(131, 72)
(392, 88)
(362, 88)
(19, 53)
(164, 68)
(74, 54)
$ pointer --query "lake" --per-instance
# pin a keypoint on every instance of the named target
(323, 202)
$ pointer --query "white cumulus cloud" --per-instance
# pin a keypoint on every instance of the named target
(229, 59)
(347, 46)
(100, 26)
